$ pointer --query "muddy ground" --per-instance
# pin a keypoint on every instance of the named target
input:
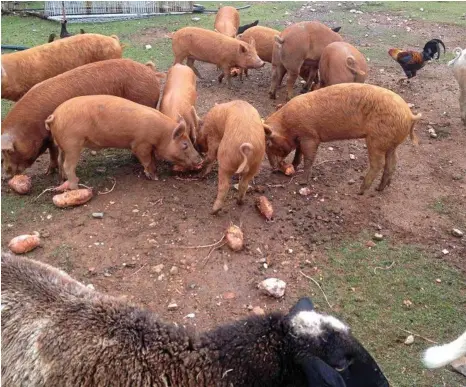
(147, 224)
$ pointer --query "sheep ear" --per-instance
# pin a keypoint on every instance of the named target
(303, 305)
(319, 373)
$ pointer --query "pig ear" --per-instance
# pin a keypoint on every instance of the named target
(197, 119)
(8, 143)
(243, 48)
(179, 131)
(268, 130)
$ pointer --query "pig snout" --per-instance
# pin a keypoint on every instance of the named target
(260, 63)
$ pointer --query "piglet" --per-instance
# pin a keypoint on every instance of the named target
(104, 121)
(232, 133)
(211, 47)
(342, 112)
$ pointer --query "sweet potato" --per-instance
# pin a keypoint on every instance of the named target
(72, 198)
(265, 207)
(287, 169)
(234, 237)
(24, 243)
(20, 184)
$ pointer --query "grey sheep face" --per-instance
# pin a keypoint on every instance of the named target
(327, 352)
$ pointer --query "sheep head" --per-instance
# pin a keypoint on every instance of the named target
(326, 351)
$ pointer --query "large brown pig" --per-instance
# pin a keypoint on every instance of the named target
(106, 121)
(211, 47)
(297, 43)
(342, 112)
(340, 63)
(24, 137)
(23, 69)
(179, 97)
(227, 21)
(232, 133)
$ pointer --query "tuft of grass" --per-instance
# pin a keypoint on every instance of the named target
(64, 253)
(373, 304)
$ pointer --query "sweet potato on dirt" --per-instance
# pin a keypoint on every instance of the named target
(265, 207)
(73, 198)
(234, 237)
(20, 184)
(24, 243)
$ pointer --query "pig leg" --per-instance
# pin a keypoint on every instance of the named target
(292, 76)
(243, 187)
(71, 159)
(297, 157)
(61, 159)
(308, 148)
(278, 72)
(223, 187)
(145, 155)
(390, 166)
(226, 71)
(313, 78)
(190, 63)
(53, 154)
(376, 163)
(209, 160)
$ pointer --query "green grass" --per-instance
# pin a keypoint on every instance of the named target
(449, 12)
(376, 311)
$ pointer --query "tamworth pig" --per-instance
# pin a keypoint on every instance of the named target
(340, 63)
(209, 46)
(179, 97)
(342, 112)
(243, 28)
(227, 21)
(106, 121)
(297, 43)
(232, 133)
(24, 137)
(23, 69)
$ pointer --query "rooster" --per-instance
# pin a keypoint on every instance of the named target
(412, 61)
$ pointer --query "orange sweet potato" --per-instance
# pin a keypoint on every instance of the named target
(234, 237)
(24, 243)
(72, 198)
(287, 169)
(265, 207)
(20, 184)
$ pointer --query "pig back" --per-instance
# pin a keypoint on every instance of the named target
(344, 111)
(24, 69)
(227, 21)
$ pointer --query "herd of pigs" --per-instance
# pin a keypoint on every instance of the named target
(78, 92)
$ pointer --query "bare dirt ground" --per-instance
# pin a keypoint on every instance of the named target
(148, 223)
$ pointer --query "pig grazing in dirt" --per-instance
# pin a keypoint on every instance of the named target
(342, 112)
(179, 97)
(227, 21)
(340, 63)
(211, 47)
(299, 42)
(232, 133)
(23, 69)
(106, 121)
(24, 137)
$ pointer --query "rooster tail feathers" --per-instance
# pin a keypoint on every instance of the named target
(432, 47)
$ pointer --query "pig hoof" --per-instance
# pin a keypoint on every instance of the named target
(51, 170)
(151, 176)
(214, 211)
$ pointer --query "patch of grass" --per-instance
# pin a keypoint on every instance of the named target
(440, 207)
(448, 12)
(372, 303)
(64, 253)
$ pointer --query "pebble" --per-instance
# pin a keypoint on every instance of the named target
(172, 306)
(457, 233)
(107, 274)
(229, 295)
(445, 252)
(195, 18)
(250, 307)
(190, 315)
(351, 181)
(370, 244)
(274, 287)
(409, 340)
(148, 46)
(352, 157)
(98, 215)
(330, 148)
(305, 191)
(161, 277)
(257, 310)
(174, 270)
(90, 286)
(93, 153)
(157, 268)
(438, 280)
(377, 237)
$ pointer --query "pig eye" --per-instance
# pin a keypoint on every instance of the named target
(184, 146)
